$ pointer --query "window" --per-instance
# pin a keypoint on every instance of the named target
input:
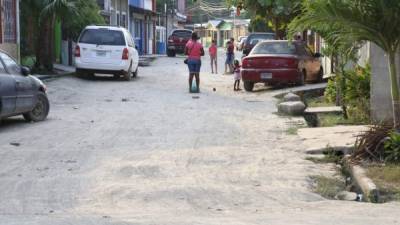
(10, 34)
(10, 63)
(102, 37)
(123, 22)
(118, 20)
(274, 48)
(2, 69)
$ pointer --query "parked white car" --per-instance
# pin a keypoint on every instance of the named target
(106, 50)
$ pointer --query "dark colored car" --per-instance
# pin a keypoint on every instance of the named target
(177, 41)
(253, 39)
(280, 62)
(21, 93)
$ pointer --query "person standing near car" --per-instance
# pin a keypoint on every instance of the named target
(194, 50)
(230, 55)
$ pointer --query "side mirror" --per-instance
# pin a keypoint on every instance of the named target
(317, 55)
(25, 71)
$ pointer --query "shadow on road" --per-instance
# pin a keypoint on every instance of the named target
(12, 122)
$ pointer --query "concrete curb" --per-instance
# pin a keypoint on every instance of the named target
(366, 185)
(50, 77)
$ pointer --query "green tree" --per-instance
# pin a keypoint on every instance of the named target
(377, 21)
(38, 18)
(277, 12)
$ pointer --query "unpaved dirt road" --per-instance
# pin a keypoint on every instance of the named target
(146, 152)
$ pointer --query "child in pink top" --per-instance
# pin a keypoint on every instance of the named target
(213, 56)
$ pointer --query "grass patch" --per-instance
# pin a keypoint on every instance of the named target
(318, 102)
(330, 120)
(330, 156)
(387, 178)
(327, 187)
(292, 131)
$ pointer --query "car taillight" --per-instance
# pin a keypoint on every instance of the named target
(77, 51)
(246, 63)
(293, 63)
(125, 54)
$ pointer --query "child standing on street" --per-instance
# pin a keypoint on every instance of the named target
(213, 56)
(237, 76)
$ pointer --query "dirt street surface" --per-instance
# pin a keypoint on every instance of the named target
(147, 152)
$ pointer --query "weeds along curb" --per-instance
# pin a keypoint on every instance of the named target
(361, 180)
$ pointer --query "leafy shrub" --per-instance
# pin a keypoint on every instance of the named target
(356, 95)
(392, 148)
(358, 83)
(330, 91)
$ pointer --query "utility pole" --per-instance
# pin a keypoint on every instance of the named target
(166, 25)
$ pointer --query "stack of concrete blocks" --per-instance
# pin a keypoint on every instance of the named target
(291, 105)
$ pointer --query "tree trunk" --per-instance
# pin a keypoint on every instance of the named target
(394, 90)
(51, 36)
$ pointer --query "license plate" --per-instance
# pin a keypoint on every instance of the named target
(101, 53)
(266, 75)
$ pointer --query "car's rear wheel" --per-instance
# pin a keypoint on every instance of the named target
(136, 72)
(128, 75)
(248, 85)
(41, 109)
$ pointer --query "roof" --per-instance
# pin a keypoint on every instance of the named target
(215, 23)
(109, 27)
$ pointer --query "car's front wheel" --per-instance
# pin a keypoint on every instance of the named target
(248, 85)
(41, 109)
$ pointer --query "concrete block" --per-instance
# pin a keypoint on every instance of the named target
(292, 108)
(291, 98)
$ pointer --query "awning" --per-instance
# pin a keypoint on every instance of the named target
(137, 10)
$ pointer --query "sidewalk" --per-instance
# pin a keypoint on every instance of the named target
(339, 137)
(61, 70)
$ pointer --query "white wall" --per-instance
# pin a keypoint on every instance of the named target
(381, 100)
(148, 4)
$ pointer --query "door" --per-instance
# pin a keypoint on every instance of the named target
(102, 46)
(8, 92)
(23, 84)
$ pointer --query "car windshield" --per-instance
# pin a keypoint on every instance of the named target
(182, 33)
(255, 38)
(274, 48)
(102, 37)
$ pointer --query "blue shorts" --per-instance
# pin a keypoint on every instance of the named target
(194, 65)
(229, 58)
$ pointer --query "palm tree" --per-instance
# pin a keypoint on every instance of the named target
(53, 10)
(377, 21)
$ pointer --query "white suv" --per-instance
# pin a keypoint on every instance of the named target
(106, 50)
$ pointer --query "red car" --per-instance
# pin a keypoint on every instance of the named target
(280, 62)
(177, 41)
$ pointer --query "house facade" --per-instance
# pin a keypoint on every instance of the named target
(9, 27)
(115, 12)
(142, 25)
(221, 31)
